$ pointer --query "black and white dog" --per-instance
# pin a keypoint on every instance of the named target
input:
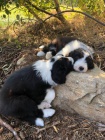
(68, 46)
(27, 94)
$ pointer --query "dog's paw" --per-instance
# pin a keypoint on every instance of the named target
(48, 55)
(48, 112)
(39, 122)
(44, 105)
(41, 47)
(40, 53)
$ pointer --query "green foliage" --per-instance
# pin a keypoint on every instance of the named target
(4, 16)
(90, 6)
(95, 7)
(7, 11)
(20, 9)
(42, 4)
(18, 17)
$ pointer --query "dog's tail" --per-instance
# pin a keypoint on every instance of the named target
(46, 113)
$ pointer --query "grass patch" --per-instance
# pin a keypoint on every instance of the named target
(70, 15)
(20, 12)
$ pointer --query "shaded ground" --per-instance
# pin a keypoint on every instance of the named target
(62, 126)
(24, 43)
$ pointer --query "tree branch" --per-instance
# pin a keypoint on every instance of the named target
(57, 7)
(33, 13)
(89, 16)
(59, 16)
(59, 13)
(39, 9)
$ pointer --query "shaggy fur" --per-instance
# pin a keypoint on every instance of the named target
(67, 46)
(27, 94)
(55, 46)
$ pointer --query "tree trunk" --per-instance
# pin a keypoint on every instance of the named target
(57, 7)
(60, 16)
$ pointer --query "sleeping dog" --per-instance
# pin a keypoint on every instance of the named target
(68, 46)
(27, 94)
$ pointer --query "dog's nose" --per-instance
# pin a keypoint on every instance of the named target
(81, 68)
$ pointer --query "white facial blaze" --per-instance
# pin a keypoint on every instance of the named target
(81, 63)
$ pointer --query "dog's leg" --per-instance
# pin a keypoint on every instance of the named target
(40, 53)
(50, 95)
(46, 103)
(39, 121)
(25, 109)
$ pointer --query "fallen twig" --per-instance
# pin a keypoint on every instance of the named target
(42, 129)
(10, 129)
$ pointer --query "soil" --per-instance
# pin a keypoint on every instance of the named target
(23, 41)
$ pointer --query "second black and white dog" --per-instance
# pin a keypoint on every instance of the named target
(27, 94)
(68, 46)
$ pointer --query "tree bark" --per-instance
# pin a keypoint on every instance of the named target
(57, 7)
(59, 14)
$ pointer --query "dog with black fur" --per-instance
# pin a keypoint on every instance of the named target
(70, 47)
(27, 93)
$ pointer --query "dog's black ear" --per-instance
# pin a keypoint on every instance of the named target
(76, 54)
(45, 49)
(52, 47)
(60, 69)
(90, 62)
(70, 67)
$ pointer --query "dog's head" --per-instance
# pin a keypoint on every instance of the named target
(82, 60)
(49, 51)
(52, 51)
(61, 67)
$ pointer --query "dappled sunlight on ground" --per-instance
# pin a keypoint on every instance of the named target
(24, 40)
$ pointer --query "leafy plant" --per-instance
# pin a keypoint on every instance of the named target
(95, 7)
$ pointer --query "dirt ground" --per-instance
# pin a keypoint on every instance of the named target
(24, 40)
